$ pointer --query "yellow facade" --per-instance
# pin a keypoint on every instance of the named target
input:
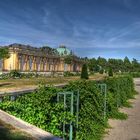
(30, 59)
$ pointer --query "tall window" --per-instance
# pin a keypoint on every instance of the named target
(65, 67)
(74, 67)
(38, 64)
(30, 63)
(22, 63)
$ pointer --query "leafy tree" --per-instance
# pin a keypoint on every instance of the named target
(49, 50)
(68, 59)
(84, 73)
(4, 53)
(96, 68)
(135, 65)
(127, 64)
(117, 65)
(110, 72)
(101, 71)
(102, 61)
(92, 64)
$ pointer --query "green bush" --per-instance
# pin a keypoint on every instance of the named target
(101, 71)
(84, 73)
(119, 90)
(15, 74)
(41, 108)
(67, 73)
(110, 72)
(30, 75)
(4, 76)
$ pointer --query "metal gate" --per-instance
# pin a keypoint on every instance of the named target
(74, 99)
(103, 89)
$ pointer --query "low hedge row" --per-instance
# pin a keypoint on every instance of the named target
(41, 108)
(14, 74)
(135, 74)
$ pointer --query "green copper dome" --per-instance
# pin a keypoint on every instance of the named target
(62, 50)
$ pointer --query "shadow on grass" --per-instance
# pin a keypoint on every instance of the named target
(5, 84)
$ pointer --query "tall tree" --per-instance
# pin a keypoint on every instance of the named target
(4, 53)
(101, 63)
(127, 64)
(92, 64)
(135, 65)
(84, 73)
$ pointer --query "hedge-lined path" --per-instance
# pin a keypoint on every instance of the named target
(127, 129)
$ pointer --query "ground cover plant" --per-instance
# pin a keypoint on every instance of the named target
(18, 84)
(135, 74)
(41, 108)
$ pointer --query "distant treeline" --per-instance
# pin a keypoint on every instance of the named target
(117, 65)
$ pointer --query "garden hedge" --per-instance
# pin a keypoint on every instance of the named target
(41, 108)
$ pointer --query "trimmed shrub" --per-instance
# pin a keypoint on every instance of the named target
(15, 74)
(84, 73)
(110, 72)
(67, 74)
(101, 71)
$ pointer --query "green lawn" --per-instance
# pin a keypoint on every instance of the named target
(11, 84)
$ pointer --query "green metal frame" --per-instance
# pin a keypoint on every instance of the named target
(118, 96)
(103, 88)
(71, 110)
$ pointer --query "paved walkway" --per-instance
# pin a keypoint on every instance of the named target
(27, 90)
(127, 129)
(35, 132)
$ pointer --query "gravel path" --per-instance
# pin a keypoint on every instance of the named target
(127, 129)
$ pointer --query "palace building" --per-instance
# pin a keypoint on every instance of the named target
(26, 58)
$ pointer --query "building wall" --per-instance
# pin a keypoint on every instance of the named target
(10, 63)
(24, 62)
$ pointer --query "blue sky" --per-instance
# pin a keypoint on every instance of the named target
(92, 28)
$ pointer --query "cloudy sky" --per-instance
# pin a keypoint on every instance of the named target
(107, 28)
